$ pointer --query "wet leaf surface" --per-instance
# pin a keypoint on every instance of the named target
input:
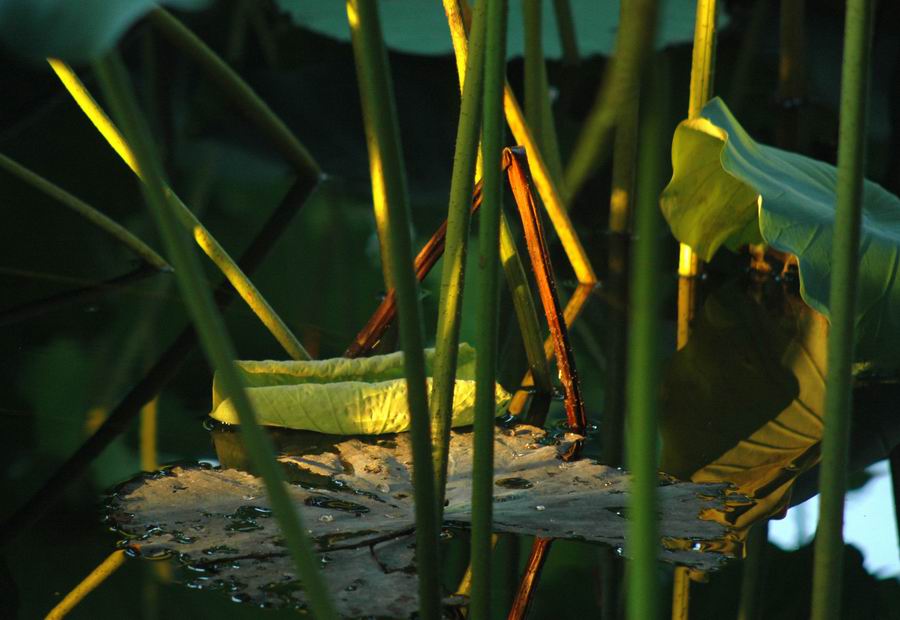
(361, 517)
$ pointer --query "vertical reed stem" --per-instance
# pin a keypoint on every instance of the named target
(453, 269)
(387, 165)
(566, 26)
(211, 330)
(702, 74)
(829, 547)
(534, 67)
(644, 363)
(486, 337)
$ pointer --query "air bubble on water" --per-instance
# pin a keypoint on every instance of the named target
(326, 518)
(540, 507)
(384, 487)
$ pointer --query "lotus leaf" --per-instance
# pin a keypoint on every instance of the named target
(743, 401)
(74, 32)
(364, 396)
(416, 27)
(357, 504)
(728, 190)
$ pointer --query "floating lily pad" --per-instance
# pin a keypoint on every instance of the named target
(416, 27)
(219, 521)
(728, 190)
(341, 396)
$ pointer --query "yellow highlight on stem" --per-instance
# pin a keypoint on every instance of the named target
(687, 261)
(97, 576)
(94, 112)
(205, 240)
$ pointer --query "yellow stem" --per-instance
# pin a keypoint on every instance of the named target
(204, 239)
(543, 181)
(97, 576)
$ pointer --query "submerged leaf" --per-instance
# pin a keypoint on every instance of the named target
(728, 190)
(363, 396)
(219, 520)
(743, 401)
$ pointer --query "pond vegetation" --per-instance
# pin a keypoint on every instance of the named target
(631, 395)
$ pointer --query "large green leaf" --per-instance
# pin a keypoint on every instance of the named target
(340, 396)
(417, 27)
(743, 401)
(728, 190)
(73, 31)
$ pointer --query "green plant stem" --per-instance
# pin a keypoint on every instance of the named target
(829, 550)
(526, 311)
(453, 269)
(703, 60)
(118, 232)
(205, 240)
(538, 111)
(238, 92)
(546, 186)
(750, 606)
(384, 147)
(620, 206)
(486, 336)
(534, 67)
(212, 333)
(644, 363)
(636, 32)
(789, 131)
(566, 27)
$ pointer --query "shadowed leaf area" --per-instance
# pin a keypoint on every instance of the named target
(355, 498)
(743, 401)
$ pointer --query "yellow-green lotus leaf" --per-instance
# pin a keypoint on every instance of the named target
(727, 189)
(364, 396)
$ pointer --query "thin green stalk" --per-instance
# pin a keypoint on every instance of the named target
(534, 67)
(701, 87)
(238, 92)
(789, 130)
(88, 212)
(526, 311)
(750, 606)
(566, 26)
(643, 363)
(486, 336)
(242, 284)
(211, 330)
(538, 111)
(543, 178)
(636, 33)
(829, 549)
(621, 204)
(453, 268)
(703, 60)
(384, 148)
